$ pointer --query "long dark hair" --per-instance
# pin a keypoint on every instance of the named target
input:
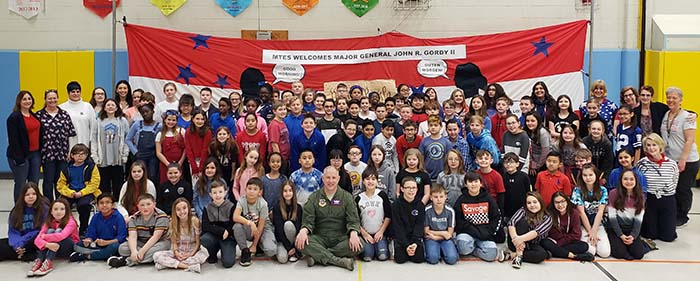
(129, 96)
(283, 205)
(491, 102)
(129, 201)
(557, 110)
(17, 213)
(93, 102)
(597, 189)
(534, 134)
(205, 128)
(553, 210)
(203, 180)
(18, 101)
(548, 99)
(66, 217)
(623, 194)
(534, 219)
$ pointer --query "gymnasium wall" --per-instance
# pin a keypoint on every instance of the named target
(68, 42)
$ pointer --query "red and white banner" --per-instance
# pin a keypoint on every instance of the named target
(517, 60)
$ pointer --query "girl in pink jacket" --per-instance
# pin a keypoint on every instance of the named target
(55, 239)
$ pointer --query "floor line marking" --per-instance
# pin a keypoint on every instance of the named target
(607, 273)
(359, 270)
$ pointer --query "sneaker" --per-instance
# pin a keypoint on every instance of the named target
(35, 266)
(116, 262)
(160, 266)
(245, 257)
(585, 256)
(196, 268)
(76, 257)
(212, 259)
(517, 262)
(46, 267)
(293, 258)
(366, 259)
(650, 243)
(503, 255)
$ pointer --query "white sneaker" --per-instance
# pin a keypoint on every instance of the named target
(196, 268)
(160, 266)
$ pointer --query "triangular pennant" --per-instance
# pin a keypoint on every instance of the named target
(26, 8)
(360, 7)
(233, 7)
(167, 7)
(300, 7)
(101, 8)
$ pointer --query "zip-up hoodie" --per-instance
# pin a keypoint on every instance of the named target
(480, 217)
(408, 221)
(217, 219)
(91, 176)
(603, 154)
(387, 176)
(484, 142)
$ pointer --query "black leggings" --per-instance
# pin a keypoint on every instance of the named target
(111, 180)
(401, 256)
(534, 252)
(619, 250)
(7, 253)
(576, 247)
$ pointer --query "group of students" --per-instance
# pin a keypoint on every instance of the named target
(437, 180)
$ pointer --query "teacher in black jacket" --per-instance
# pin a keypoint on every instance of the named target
(23, 150)
(649, 114)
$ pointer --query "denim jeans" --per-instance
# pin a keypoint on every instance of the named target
(26, 171)
(99, 253)
(468, 245)
(433, 250)
(52, 171)
(227, 247)
(380, 249)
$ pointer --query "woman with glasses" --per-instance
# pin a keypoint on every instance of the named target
(649, 113)
(57, 128)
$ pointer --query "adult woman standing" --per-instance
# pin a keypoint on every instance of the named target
(629, 96)
(608, 108)
(544, 102)
(678, 130)
(662, 178)
(81, 114)
(24, 137)
(57, 128)
(649, 114)
(123, 95)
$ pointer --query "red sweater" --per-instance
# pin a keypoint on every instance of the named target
(569, 229)
(246, 142)
(33, 127)
(493, 182)
(402, 145)
(196, 147)
(548, 183)
(498, 129)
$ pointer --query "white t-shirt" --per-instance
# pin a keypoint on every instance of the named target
(674, 135)
(83, 117)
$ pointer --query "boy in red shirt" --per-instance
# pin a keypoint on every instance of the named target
(492, 180)
(410, 139)
(552, 180)
(498, 120)
(279, 135)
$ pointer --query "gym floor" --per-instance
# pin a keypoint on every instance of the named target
(673, 261)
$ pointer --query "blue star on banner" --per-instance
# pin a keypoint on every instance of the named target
(541, 47)
(200, 40)
(221, 80)
(185, 73)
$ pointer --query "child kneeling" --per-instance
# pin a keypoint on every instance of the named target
(187, 252)
(252, 223)
(141, 243)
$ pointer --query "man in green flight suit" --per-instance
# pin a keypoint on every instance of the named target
(330, 226)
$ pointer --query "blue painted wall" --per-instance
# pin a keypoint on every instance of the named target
(617, 67)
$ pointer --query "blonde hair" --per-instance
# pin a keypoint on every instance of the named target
(414, 152)
(600, 83)
(656, 139)
(175, 230)
(460, 168)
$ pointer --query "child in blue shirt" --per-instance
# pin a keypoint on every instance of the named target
(435, 147)
(106, 231)
(628, 135)
(307, 179)
(364, 141)
(309, 139)
(79, 183)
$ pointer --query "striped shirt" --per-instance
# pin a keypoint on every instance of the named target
(625, 220)
(542, 228)
(661, 179)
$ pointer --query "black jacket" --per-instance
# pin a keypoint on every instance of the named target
(408, 221)
(279, 222)
(18, 138)
(168, 193)
(217, 219)
(339, 141)
(658, 110)
(477, 216)
(603, 154)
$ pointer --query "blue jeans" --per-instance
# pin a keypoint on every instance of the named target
(52, 171)
(26, 171)
(65, 247)
(227, 247)
(434, 248)
(99, 253)
(151, 169)
(467, 245)
(379, 248)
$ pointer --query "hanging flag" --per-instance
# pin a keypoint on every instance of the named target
(234, 7)
(360, 7)
(101, 8)
(26, 8)
(300, 7)
(167, 7)
(516, 60)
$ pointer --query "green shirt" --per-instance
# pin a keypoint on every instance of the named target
(332, 217)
